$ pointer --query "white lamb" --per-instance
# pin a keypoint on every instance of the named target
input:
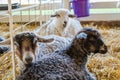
(62, 23)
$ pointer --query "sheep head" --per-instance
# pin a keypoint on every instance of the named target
(26, 46)
(63, 16)
(91, 40)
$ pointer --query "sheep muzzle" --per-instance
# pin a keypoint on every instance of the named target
(64, 24)
(103, 49)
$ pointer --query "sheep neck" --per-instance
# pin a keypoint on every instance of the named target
(78, 52)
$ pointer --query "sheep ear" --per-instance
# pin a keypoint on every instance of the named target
(6, 42)
(39, 39)
(15, 43)
(71, 15)
(96, 33)
(82, 35)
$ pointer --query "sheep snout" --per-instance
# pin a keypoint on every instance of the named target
(64, 24)
(28, 57)
(29, 60)
(103, 49)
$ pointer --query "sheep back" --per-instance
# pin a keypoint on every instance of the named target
(59, 43)
(56, 66)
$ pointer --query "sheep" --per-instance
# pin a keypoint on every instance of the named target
(25, 47)
(2, 38)
(62, 23)
(70, 62)
(3, 49)
(22, 43)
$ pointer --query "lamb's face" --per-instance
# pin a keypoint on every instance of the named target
(62, 16)
(26, 45)
(92, 41)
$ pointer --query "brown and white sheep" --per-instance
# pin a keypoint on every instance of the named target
(34, 50)
(26, 48)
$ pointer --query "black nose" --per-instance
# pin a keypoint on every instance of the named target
(65, 23)
(29, 60)
(103, 51)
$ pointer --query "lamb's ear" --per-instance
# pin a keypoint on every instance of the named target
(81, 35)
(6, 42)
(15, 43)
(44, 40)
(71, 15)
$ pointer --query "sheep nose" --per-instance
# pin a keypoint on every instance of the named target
(29, 60)
(103, 49)
(65, 23)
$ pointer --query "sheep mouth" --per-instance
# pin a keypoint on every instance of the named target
(100, 51)
(28, 65)
(103, 51)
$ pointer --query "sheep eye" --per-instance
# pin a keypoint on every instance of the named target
(92, 39)
(58, 15)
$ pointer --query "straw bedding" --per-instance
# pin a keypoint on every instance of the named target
(106, 67)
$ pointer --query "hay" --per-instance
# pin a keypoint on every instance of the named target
(106, 67)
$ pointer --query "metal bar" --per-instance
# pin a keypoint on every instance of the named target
(19, 9)
(24, 8)
(35, 13)
(3, 17)
(11, 37)
(21, 17)
(40, 12)
(22, 26)
(25, 24)
(66, 4)
(3, 12)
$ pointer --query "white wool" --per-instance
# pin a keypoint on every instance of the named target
(55, 27)
(57, 44)
(72, 28)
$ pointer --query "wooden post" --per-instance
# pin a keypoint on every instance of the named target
(66, 4)
(11, 37)
(40, 12)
